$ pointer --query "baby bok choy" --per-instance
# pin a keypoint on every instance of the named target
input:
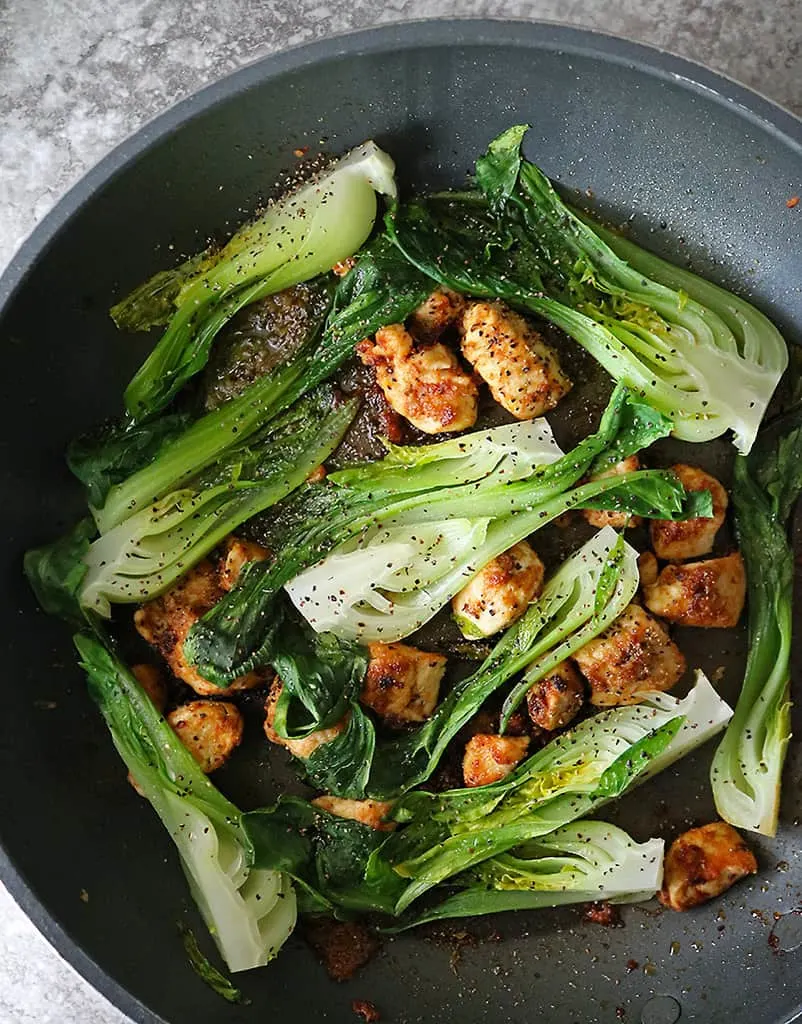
(747, 767)
(249, 911)
(299, 236)
(703, 357)
(579, 863)
(148, 551)
(494, 514)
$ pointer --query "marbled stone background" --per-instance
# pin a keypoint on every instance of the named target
(77, 76)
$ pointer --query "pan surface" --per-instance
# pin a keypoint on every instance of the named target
(703, 169)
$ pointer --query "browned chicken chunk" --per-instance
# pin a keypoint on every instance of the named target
(601, 517)
(237, 553)
(710, 593)
(423, 383)
(306, 745)
(489, 758)
(690, 538)
(633, 655)
(522, 372)
(442, 309)
(210, 730)
(166, 621)
(703, 863)
(369, 812)
(555, 700)
(647, 569)
(151, 680)
(500, 592)
(402, 684)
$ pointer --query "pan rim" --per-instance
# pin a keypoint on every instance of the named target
(420, 34)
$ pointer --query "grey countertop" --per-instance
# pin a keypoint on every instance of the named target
(77, 77)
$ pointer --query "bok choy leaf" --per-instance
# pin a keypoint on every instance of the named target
(747, 767)
(249, 911)
(299, 236)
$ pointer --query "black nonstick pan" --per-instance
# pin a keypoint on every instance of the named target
(702, 170)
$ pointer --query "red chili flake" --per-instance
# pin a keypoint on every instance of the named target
(792, 202)
(366, 1010)
(603, 913)
(301, 151)
(632, 965)
(620, 1013)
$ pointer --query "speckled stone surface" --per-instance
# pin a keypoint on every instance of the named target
(77, 76)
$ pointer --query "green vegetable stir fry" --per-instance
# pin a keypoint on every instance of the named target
(334, 498)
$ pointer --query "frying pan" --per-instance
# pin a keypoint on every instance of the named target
(701, 168)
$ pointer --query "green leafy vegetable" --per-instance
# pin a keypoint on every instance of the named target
(579, 863)
(206, 971)
(111, 454)
(231, 637)
(152, 303)
(56, 572)
(298, 237)
(747, 768)
(249, 911)
(706, 359)
(151, 549)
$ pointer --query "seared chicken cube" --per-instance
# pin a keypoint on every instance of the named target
(703, 863)
(647, 569)
(522, 372)
(237, 554)
(600, 517)
(369, 812)
(402, 684)
(633, 655)
(152, 682)
(166, 621)
(306, 745)
(690, 538)
(499, 593)
(439, 311)
(489, 758)
(709, 593)
(555, 700)
(210, 730)
(423, 383)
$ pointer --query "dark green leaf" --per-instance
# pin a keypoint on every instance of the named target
(109, 455)
(497, 171)
(56, 572)
(152, 303)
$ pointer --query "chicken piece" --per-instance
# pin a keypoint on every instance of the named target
(703, 863)
(442, 309)
(499, 593)
(402, 684)
(166, 621)
(369, 812)
(151, 680)
(237, 555)
(423, 383)
(210, 730)
(306, 745)
(690, 538)
(489, 758)
(522, 372)
(647, 569)
(555, 700)
(709, 593)
(600, 517)
(633, 655)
